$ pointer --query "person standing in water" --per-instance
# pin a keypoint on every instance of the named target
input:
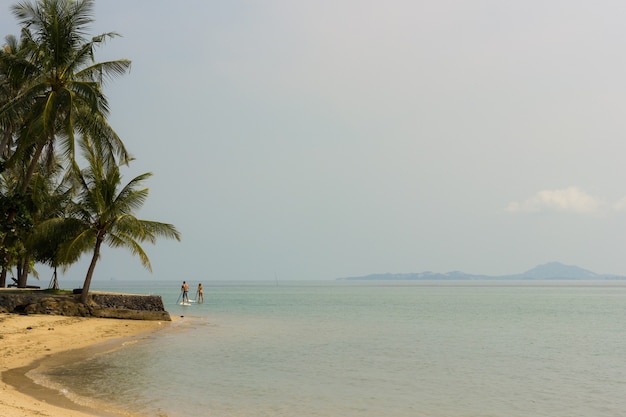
(185, 290)
(200, 293)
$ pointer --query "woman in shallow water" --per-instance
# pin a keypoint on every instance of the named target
(200, 294)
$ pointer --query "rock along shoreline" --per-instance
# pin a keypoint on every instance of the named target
(102, 305)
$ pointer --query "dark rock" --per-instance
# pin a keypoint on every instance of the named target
(121, 306)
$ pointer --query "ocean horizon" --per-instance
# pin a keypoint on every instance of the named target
(402, 348)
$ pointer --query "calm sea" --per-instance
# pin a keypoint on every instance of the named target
(371, 349)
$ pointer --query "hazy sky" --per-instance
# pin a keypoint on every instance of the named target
(322, 139)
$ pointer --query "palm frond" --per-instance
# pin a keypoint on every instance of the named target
(124, 240)
(105, 71)
(158, 229)
(71, 250)
(129, 200)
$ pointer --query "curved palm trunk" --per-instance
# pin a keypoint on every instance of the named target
(32, 166)
(96, 254)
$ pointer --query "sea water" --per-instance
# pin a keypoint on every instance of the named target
(371, 349)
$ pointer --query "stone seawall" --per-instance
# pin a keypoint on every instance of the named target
(107, 305)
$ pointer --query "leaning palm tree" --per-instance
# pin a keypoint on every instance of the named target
(105, 213)
(62, 97)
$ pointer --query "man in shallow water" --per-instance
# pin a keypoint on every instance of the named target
(185, 289)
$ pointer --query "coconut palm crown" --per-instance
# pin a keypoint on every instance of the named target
(104, 211)
(61, 95)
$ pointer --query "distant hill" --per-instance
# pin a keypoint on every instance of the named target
(551, 270)
(557, 270)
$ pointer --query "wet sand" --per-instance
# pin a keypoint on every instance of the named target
(26, 340)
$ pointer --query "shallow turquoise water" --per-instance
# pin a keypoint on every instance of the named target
(372, 349)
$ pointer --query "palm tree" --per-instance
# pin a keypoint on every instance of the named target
(51, 93)
(51, 198)
(62, 96)
(13, 77)
(15, 222)
(14, 72)
(47, 197)
(105, 213)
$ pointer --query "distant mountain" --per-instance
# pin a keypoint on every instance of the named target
(551, 270)
(557, 270)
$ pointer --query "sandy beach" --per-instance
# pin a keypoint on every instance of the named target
(25, 339)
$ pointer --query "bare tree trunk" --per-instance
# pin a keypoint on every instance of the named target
(22, 277)
(96, 254)
(18, 267)
(54, 283)
(3, 277)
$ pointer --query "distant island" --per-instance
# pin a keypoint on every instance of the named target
(551, 270)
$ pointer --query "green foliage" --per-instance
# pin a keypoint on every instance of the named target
(15, 222)
(15, 213)
(105, 210)
(51, 103)
(56, 84)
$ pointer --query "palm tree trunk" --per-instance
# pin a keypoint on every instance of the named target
(33, 164)
(22, 277)
(4, 146)
(3, 277)
(96, 254)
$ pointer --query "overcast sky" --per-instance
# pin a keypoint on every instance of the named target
(322, 139)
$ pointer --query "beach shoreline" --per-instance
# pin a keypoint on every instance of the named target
(27, 340)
